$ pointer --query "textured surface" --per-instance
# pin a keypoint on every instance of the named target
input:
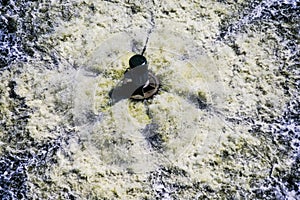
(224, 124)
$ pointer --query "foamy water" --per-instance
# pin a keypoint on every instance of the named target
(224, 123)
